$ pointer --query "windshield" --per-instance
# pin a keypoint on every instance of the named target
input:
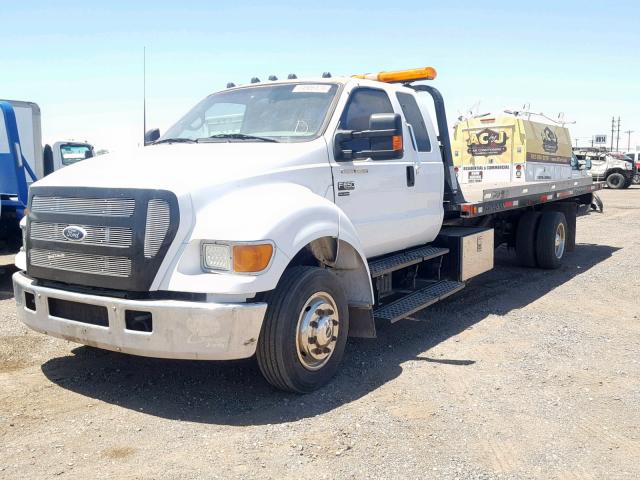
(619, 156)
(291, 112)
(72, 153)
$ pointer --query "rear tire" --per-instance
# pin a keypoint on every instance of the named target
(551, 240)
(305, 330)
(616, 181)
(526, 239)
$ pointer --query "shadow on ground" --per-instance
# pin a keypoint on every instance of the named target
(234, 393)
(6, 286)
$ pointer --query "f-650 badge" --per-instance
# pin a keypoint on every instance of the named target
(347, 185)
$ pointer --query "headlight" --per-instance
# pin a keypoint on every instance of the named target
(216, 256)
(239, 258)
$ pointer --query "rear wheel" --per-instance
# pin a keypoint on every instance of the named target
(551, 240)
(526, 239)
(616, 180)
(304, 331)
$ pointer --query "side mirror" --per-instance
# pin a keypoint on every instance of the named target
(382, 141)
(151, 136)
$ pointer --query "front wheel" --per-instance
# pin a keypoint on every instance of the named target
(616, 181)
(305, 330)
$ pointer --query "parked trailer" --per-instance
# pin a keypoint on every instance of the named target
(20, 152)
(327, 205)
(23, 159)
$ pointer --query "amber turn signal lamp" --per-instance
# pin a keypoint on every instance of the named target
(251, 258)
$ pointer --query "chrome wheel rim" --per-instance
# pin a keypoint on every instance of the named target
(560, 240)
(317, 331)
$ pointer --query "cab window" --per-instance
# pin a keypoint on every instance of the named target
(413, 115)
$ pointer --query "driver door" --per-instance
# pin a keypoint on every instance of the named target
(378, 196)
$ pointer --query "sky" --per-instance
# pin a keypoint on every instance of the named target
(82, 61)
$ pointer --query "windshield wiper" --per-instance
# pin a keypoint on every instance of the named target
(174, 140)
(237, 136)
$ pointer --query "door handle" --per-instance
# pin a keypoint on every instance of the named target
(411, 176)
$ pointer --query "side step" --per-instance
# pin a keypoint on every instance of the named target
(417, 300)
(404, 259)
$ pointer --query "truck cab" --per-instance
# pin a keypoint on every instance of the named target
(635, 158)
(615, 169)
(318, 206)
(63, 154)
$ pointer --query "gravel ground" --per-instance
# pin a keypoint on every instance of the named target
(524, 374)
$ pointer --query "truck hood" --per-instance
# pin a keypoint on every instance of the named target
(189, 168)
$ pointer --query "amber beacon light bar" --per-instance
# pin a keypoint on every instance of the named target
(401, 76)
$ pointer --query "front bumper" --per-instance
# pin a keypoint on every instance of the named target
(181, 329)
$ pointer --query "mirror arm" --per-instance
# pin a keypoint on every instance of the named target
(374, 133)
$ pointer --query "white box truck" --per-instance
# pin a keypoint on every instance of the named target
(325, 205)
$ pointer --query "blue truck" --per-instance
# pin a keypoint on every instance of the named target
(20, 151)
(23, 159)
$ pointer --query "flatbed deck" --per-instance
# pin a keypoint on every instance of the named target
(481, 200)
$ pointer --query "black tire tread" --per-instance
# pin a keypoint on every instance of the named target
(619, 185)
(526, 238)
(545, 239)
(270, 357)
(267, 359)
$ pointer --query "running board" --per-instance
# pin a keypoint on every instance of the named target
(417, 300)
(404, 259)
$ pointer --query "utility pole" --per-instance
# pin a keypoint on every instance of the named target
(629, 132)
(618, 139)
(144, 93)
(613, 129)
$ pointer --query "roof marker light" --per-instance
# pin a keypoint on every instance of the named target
(273, 78)
(255, 80)
(292, 76)
(401, 76)
(231, 85)
(326, 75)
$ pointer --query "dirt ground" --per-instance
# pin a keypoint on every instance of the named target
(524, 374)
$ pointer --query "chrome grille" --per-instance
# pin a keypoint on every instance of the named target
(81, 262)
(157, 225)
(104, 207)
(120, 237)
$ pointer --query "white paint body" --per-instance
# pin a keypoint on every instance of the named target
(285, 193)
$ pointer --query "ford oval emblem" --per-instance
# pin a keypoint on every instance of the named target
(74, 233)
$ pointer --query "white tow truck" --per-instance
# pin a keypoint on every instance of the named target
(276, 219)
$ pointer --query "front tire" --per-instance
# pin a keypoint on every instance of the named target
(616, 181)
(305, 330)
(551, 240)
